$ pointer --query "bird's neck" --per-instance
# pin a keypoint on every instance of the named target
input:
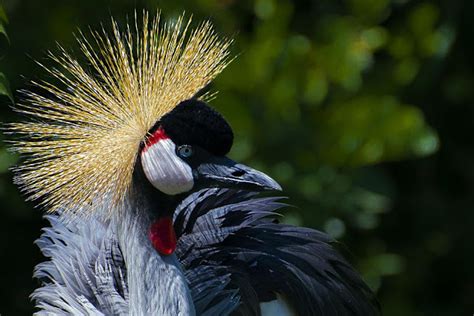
(157, 285)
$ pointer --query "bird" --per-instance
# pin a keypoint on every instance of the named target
(147, 214)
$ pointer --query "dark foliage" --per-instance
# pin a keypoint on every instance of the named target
(361, 109)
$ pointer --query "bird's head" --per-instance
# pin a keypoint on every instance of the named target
(186, 151)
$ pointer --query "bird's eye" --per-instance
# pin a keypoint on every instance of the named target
(185, 151)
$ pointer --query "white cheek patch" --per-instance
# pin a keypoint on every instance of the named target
(165, 170)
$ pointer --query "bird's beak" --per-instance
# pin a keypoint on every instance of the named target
(224, 172)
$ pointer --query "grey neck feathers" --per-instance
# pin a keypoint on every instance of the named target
(157, 285)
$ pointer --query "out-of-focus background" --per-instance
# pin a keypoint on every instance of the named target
(362, 109)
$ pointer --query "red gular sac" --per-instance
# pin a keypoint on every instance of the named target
(163, 236)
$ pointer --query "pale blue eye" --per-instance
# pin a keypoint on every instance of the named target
(185, 151)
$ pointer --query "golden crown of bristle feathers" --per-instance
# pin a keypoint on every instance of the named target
(82, 144)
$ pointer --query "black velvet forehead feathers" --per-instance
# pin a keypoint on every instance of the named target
(193, 122)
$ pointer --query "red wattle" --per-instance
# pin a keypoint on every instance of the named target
(162, 236)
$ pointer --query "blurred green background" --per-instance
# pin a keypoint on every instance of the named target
(362, 109)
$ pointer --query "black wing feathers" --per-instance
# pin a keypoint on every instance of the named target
(234, 229)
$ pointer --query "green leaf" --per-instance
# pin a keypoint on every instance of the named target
(372, 129)
(3, 32)
(3, 15)
(5, 87)
(7, 160)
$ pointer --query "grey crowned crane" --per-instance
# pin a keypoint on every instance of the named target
(148, 216)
